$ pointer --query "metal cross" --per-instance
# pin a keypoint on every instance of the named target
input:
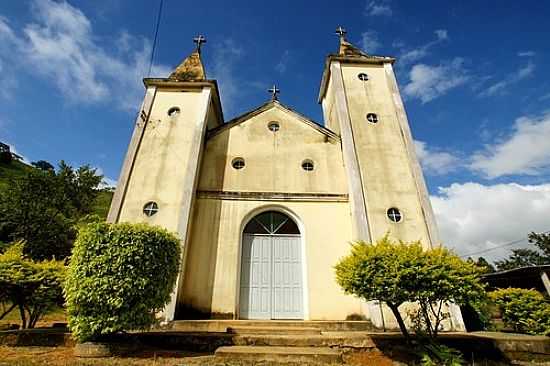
(341, 31)
(199, 40)
(274, 91)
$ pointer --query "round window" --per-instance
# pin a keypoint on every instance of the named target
(174, 111)
(238, 163)
(363, 77)
(372, 118)
(150, 208)
(394, 214)
(307, 165)
(273, 126)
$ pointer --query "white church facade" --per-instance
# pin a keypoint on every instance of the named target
(267, 203)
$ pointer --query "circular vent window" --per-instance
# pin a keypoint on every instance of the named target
(238, 163)
(150, 208)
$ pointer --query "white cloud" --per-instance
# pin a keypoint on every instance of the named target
(525, 151)
(225, 56)
(107, 182)
(369, 41)
(434, 161)
(378, 8)
(527, 53)
(418, 53)
(283, 62)
(430, 82)
(473, 217)
(500, 87)
(60, 45)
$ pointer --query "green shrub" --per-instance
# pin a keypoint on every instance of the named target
(119, 277)
(525, 311)
(33, 288)
(399, 272)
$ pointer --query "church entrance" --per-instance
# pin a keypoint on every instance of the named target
(271, 268)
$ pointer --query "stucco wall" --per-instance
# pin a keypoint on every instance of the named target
(385, 165)
(162, 159)
(273, 160)
(213, 264)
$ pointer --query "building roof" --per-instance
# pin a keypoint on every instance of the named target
(518, 272)
(264, 107)
(190, 69)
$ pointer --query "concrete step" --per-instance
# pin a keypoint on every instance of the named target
(215, 325)
(270, 330)
(317, 355)
(357, 340)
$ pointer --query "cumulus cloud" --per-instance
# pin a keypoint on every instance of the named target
(378, 8)
(369, 41)
(59, 44)
(473, 217)
(435, 161)
(415, 54)
(225, 58)
(429, 82)
(501, 87)
(525, 151)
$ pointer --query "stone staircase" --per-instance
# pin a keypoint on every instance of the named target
(282, 342)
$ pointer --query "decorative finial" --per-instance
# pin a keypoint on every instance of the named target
(341, 32)
(200, 39)
(274, 91)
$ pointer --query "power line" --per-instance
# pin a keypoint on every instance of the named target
(499, 246)
(157, 26)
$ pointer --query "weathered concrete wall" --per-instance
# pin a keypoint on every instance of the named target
(385, 164)
(213, 263)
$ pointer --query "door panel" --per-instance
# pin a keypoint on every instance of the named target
(271, 277)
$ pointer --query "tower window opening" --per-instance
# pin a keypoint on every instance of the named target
(273, 126)
(363, 77)
(394, 214)
(150, 208)
(238, 163)
(174, 111)
(307, 165)
(372, 117)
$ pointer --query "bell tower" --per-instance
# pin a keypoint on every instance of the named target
(157, 183)
(361, 102)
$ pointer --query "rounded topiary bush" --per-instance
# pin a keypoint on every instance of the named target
(119, 277)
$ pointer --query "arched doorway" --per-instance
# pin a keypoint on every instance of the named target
(271, 268)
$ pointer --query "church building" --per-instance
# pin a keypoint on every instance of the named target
(267, 203)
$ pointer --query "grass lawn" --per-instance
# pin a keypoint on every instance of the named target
(63, 356)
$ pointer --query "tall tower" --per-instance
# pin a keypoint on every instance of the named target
(361, 102)
(157, 183)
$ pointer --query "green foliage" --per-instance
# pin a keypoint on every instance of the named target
(483, 265)
(120, 276)
(43, 165)
(529, 257)
(525, 311)
(435, 354)
(34, 288)
(41, 208)
(398, 272)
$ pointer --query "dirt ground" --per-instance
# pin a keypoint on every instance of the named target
(63, 356)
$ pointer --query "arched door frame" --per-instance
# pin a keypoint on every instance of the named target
(296, 219)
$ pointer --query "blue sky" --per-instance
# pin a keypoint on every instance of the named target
(472, 75)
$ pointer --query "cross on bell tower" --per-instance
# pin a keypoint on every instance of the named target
(274, 91)
(341, 32)
(200, 39)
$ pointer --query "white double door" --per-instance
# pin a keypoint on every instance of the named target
(271, 277)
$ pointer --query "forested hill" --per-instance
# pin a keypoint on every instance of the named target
(16, 169)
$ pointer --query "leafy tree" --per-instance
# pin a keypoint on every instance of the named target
(41, 208)
(399, 272)
(34, 288)
(120, 276)
(43, 165)
(525, 311)
(483, 264)
(529, 257)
